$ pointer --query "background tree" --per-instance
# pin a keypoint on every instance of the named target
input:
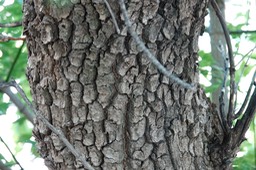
(148, 94)
(218, 52)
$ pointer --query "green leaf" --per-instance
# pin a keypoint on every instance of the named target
(7, 163)
(204, 72)
(212, 88)
(245, 162)
(1, 157)
(248, 69)
(3, 107)
(252, 37)
(243, 70)
(34, 149)
(253, 56)
(206, 59)
(24, 132)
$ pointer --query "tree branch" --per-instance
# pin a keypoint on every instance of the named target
(241, 110)
(113, 16)
(58, 132)
(22, 107)
(236, 32)
(14, 62)
(242, 31)
(231, 62)
(17, 162)
(4, 38)
(11, 25)
(240, 77)
(246, 55)
(150, 56)
(243, 124)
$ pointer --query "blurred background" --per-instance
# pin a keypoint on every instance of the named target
(17, 146)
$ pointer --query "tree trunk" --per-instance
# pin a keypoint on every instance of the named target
(112, 104)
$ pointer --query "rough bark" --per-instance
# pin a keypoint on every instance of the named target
(111, 102)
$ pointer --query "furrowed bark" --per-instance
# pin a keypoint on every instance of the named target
(111, 103)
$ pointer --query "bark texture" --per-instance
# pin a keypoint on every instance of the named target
(110, 101)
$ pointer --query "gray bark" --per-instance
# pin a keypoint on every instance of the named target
(111, 102)
(219, 53)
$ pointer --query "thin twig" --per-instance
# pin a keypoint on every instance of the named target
(14, 62)
(4, 38)
(150, 56)
(65, 141)
(247, 54)
(236, 32)
(240, 77)
(243, 124)
(231, 61)
(11, 25)
(243, 32)
(241, 110)
(113, 16)
(22, 107)
(46, 122)
(17, 162)
(54, 129)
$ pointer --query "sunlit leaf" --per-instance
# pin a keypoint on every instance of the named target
(212, 88)
(246, 161)
(3, 107)
(204, 72)
(207, 59)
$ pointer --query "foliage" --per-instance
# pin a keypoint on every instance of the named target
(245, 162)
(205, 63)
(3, 105)
(13, 59)
(7, 163)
